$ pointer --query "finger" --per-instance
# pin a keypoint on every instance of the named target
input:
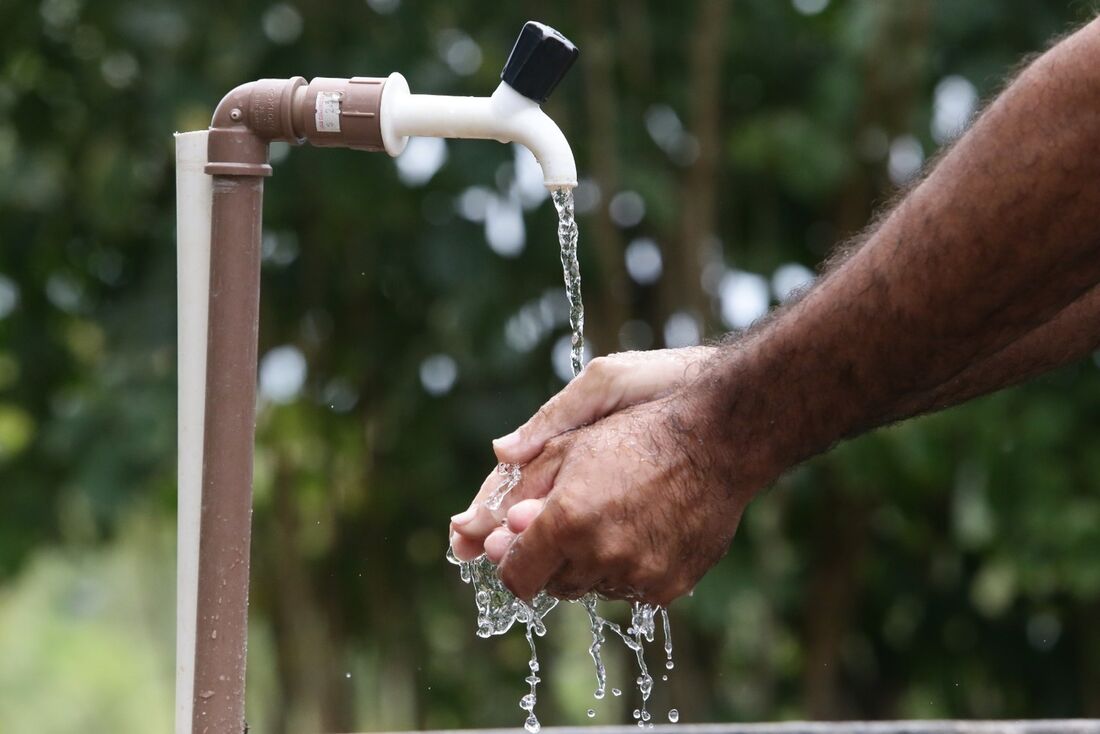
(532, 559)
(497, 544)
(465, 549)
(523, 514)
(591, 395)
(536, 480)
(488, 486)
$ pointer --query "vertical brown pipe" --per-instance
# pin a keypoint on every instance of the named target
(245, 122)
(230, 427)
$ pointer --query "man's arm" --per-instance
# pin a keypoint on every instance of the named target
(1071, 334)
(1002, 237)
(945, 300)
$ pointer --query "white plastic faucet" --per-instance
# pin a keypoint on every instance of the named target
(538, 61)
(507, 116)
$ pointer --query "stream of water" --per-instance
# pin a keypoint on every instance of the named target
(498, 609)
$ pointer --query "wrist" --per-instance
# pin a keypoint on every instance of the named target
(735, 445)
(767, 402)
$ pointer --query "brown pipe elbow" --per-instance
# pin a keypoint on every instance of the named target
(326, 112)
(246, 121)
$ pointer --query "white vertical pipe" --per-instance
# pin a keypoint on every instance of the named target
(194, 191)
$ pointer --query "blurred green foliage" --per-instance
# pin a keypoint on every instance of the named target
(943, 567)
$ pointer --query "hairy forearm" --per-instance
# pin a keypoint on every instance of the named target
(1071, 334)
(1000, 239)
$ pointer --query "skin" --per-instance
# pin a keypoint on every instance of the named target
(637, 474)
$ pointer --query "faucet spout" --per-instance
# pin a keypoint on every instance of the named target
(507, 116)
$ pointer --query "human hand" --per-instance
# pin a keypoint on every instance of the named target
(637, 506)
(607, 384)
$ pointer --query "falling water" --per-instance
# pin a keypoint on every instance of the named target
(497, 608)
(571, 267)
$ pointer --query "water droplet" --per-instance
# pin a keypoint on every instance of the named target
(532, 725)
(669, 664)
(673, 715)
(637, 714)
(598, 694)
(616, 692)
(591, 713)
(347, 674)
(664, 677)
(527, 702)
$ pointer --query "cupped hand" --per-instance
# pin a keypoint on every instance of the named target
(636, 506)
(606, 385)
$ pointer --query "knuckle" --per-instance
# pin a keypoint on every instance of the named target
(573, 515)
(674, 590)
(609, 554)
(557, 445)
(600, 370)
(654, 569)
(538, 422)
(663, 596)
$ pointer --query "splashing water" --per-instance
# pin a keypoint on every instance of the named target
(497, 608)
(510, 474)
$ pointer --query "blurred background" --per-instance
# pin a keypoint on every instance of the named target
(413, 310)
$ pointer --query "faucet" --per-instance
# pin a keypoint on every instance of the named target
(538, 61)
(219, 193)
(381, 114)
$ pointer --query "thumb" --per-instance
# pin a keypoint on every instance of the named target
(589, 396)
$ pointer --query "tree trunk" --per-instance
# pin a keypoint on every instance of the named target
(611, 298)
(682, 281)
(831, 597)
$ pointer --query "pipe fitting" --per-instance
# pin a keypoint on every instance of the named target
(246, 121)
(340, 112)
(325, 112)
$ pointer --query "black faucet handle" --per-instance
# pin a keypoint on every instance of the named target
(538, 61)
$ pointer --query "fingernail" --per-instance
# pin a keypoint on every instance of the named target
(463, 517)
(507, 443)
